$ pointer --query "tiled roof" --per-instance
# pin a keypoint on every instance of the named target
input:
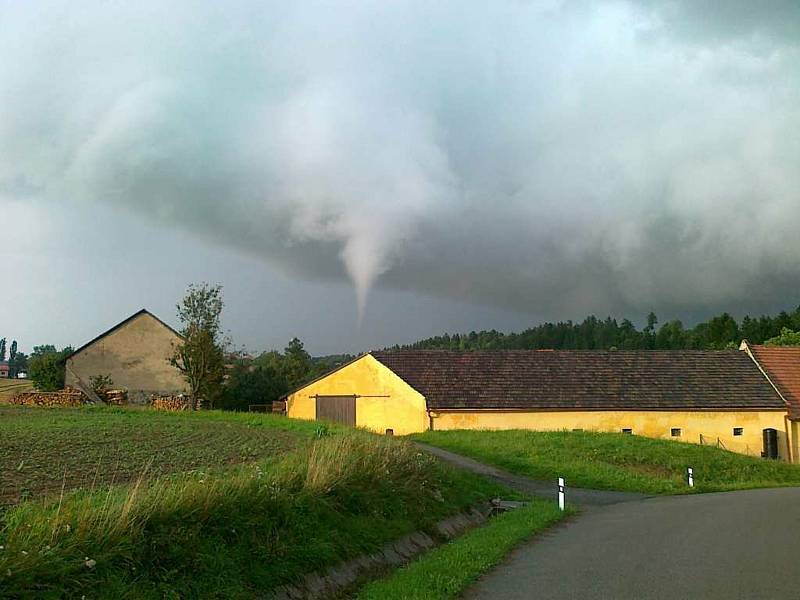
(782, 365)
(598, 380)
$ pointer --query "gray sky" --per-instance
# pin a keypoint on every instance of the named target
(365, 173)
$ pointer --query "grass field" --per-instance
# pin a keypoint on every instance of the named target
(43, 450)
(314, 497)
(445, 572)
(10, 387)
(615, 461)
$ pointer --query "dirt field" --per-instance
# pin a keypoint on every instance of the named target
(9, 387)
(43, 449)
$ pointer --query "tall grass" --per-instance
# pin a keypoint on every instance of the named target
(231, 535)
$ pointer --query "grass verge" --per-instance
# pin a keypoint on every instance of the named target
(233, 534)
(615, 461)
(445, 572)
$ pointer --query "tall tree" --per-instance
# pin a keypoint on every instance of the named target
(201, 356)
(2, 349)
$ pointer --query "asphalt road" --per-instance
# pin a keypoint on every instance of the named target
(728, 546)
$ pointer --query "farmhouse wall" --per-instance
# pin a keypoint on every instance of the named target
(384, 401)
(136, 357)
(711, 425)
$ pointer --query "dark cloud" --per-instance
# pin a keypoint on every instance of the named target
(543, 158)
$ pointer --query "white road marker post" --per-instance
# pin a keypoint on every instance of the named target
(690, 476)
(561, 493)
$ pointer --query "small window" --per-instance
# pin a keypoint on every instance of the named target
(390, 432)
(737, 431)
(577, 430)
(628, 431)
(675, 432)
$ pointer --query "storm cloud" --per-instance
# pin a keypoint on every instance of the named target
(542, 157)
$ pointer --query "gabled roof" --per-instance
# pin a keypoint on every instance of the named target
(782, 365)
(584, 380)
(120, 325)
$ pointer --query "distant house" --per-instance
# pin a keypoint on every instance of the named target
(781, 366)
(5, 370)
(711, 397)
(135, 354)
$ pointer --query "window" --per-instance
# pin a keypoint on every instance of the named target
(737, 431)
(576, 430)
(390, 432)
(628, 431)
(675, 432)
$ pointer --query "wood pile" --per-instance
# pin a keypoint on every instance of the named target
(116, 397)
(66, 397)
(173, 403)
(279, 407)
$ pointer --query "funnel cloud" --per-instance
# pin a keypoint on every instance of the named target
(554, 158)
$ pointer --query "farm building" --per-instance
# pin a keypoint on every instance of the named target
(5, 369)
(135, 354)
(781, 366)
(711, 397)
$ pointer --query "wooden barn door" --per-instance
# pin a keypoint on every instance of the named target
(339, 409)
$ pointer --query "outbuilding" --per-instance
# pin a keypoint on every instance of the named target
(134, 354)
(719, 398)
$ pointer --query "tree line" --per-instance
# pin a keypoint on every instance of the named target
(720, 332)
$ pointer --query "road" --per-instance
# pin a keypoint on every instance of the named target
(728, 545)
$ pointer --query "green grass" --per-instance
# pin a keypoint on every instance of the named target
(614, 461)
(235, 532)
(446, 571)
(45, 449)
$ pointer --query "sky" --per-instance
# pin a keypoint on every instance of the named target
(360, 174)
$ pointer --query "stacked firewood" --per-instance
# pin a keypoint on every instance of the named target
(66, 397)
(279, 407)
(116, 397)
(174, 403)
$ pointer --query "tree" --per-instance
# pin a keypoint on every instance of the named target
(47, 367)
(2, 349)
(201, 356)
(18, 364)
(250, 383)
(786, 338)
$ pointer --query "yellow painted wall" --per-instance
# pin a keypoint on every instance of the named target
(403, 409)
(654, 424)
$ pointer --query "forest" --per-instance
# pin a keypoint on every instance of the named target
(720, 332)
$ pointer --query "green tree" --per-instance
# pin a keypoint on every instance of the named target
(787, 337)
(2, 349)
(18, 364)
(249, 383)
(47, 367)
(201, 356)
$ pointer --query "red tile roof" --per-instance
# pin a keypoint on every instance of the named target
(782, 365)
(584, 380)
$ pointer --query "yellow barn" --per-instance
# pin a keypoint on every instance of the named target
(720, 398)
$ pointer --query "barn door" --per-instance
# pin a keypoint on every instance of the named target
(339, 409)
